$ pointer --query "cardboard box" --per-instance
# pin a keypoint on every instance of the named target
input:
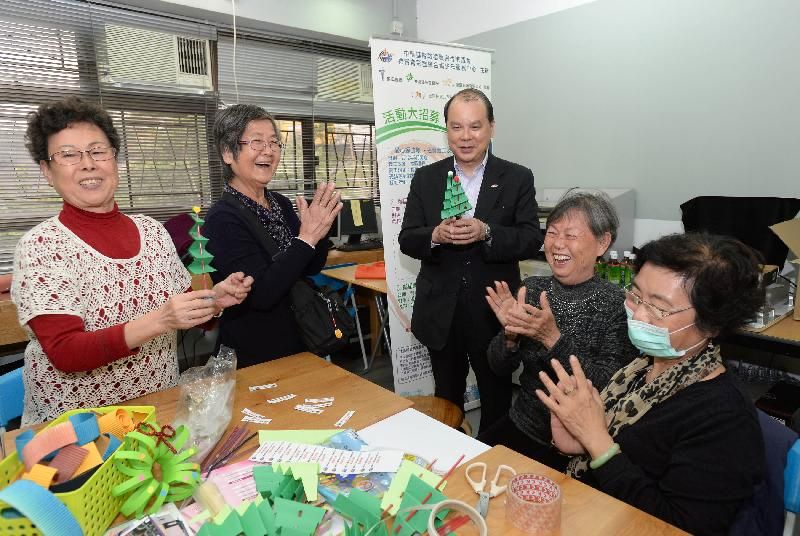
(789, 233)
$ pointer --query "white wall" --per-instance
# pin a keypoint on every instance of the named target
(452, 20)
(673, 98)
(336, 20)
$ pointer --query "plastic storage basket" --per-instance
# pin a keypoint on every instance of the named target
(92, 504)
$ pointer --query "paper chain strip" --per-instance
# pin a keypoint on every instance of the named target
(71, 448)
(346, 417)
(281, 398)
(260, 387)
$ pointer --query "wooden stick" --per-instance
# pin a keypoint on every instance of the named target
(450, 472)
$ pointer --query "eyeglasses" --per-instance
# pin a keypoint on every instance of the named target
(653, 310)
(260, 145)
(70, 157)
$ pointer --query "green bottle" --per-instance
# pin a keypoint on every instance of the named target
(627, 269)
(614, 269)
(600, 267)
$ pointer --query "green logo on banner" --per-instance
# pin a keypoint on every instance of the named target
(401, 120)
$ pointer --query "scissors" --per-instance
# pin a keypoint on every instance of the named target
(494, 489)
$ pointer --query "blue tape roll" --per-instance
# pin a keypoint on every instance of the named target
(42, 508)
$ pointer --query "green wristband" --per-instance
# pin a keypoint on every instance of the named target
(612, 451)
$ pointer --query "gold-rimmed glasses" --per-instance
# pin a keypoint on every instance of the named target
(653, 310)
(70, 157)
(260, 145)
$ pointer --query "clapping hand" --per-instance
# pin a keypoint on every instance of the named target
(502, 303)
(578, 407)
(533, 322)
(317, 217)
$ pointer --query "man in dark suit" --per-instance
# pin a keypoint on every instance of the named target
(462, 256)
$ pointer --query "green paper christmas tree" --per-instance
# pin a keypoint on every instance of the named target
(201, 263)
(455, 199)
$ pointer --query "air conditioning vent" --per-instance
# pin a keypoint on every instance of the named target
(134, 57)
(343, 80)
(193, 56)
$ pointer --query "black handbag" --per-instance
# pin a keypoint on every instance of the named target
(323, 320)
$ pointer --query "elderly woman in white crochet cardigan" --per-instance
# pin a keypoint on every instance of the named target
(101, 294)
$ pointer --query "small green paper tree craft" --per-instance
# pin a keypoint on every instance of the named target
(455, 199)
(201, 263)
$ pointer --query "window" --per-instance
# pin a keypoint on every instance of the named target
(53, 49)
(346, 155)
(322, 99)
(156, 76)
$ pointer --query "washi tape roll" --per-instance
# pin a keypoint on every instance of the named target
(533, 504)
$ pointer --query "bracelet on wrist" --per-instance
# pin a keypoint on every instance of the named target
(612, 451)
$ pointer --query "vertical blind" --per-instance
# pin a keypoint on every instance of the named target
(322, 97)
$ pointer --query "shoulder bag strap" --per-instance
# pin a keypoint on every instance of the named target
(255, 225)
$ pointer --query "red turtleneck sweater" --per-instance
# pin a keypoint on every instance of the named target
(64, 337)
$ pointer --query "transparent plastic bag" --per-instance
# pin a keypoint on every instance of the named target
(206, 400)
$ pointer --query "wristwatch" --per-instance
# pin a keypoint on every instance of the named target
(487, 234)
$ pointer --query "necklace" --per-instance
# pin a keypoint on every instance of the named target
(571, 306)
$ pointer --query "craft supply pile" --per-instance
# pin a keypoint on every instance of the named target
(119, 471)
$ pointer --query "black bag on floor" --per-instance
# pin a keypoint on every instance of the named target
(324, 322)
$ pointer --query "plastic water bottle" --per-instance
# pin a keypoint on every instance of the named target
(600, 267)
(614, 269)
(626, 270)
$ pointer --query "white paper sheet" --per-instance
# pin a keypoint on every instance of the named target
(416, 433)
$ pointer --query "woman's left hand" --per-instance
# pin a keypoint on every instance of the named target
(233, 290)
(579, 409)
(535, 323)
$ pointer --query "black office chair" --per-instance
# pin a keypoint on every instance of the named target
(745, 218)
(764, 512)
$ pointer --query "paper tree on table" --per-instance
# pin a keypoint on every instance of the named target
(201, 263)
(455, 199)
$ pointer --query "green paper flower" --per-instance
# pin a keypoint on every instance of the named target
(159, 471)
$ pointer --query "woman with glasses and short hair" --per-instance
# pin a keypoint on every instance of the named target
(101, 294)
(257, 230)
(571, 312)
(670, 434)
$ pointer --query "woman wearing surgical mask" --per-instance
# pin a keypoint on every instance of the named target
(670, 434)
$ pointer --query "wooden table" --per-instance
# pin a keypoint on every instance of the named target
(375, 289)
(584, 510)
(357, 257)
(10, 330)
(781, 338)
(307, 376)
